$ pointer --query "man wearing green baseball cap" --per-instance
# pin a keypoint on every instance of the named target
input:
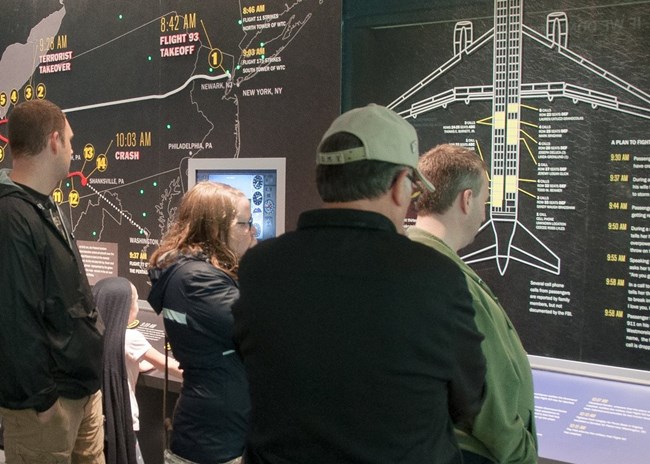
(359, 345)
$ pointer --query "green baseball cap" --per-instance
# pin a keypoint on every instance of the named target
(384, 134)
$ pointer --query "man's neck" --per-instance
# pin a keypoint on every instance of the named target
(438, 228)
(30, 175)
(381, 205)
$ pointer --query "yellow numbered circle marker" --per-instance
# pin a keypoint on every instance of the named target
(102, 163)
(215, 58)
(73, 198)
(57, 196)
(41, 91)
(89, 152)
(29, 92)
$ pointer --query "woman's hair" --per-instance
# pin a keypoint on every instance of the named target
(201, 228)
(113, 298)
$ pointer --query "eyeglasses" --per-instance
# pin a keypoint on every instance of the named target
(248, 224)
(417, 187)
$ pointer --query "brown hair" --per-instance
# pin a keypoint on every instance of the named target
(205, 216)
(452, 169)
(30, 125)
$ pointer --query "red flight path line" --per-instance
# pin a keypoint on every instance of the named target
(2, 137)
(84, 179)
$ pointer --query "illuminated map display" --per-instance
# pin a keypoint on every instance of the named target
(150, 85)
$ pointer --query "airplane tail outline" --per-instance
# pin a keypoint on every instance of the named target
(550, 264)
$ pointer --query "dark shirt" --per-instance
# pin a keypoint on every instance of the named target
(360, 345)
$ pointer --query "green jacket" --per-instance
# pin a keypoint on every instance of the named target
(504, 430)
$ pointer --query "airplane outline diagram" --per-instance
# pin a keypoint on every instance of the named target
(506, 94)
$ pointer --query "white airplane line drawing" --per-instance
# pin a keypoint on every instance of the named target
(506, 93)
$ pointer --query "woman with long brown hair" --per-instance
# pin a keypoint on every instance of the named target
(194, 284)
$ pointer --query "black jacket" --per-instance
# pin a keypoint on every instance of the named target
(211, 416)
(50, 333)
(359, 344)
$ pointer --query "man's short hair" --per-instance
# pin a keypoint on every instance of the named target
(30, 125)
(452, 169)
(353, 181)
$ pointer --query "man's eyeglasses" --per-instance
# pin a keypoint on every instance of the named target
(248, 223)
(415, 183)
(416, 186)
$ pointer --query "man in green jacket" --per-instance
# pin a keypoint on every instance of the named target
(448, 220)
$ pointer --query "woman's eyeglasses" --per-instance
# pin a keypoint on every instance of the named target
(248, 223)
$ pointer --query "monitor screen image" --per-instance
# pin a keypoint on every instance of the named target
(261, 179)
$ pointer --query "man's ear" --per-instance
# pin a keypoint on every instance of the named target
(400, 192)
(53, 141)
(465, 200)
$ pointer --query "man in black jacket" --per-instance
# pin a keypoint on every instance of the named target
(360, 345)
(50, 332)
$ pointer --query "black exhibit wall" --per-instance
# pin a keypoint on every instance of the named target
(555, 96)
(148, 85)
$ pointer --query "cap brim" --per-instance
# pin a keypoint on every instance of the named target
(425, 182)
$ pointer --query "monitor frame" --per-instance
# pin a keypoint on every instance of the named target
(223, 165)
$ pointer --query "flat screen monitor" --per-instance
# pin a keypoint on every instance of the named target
(261, 179)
